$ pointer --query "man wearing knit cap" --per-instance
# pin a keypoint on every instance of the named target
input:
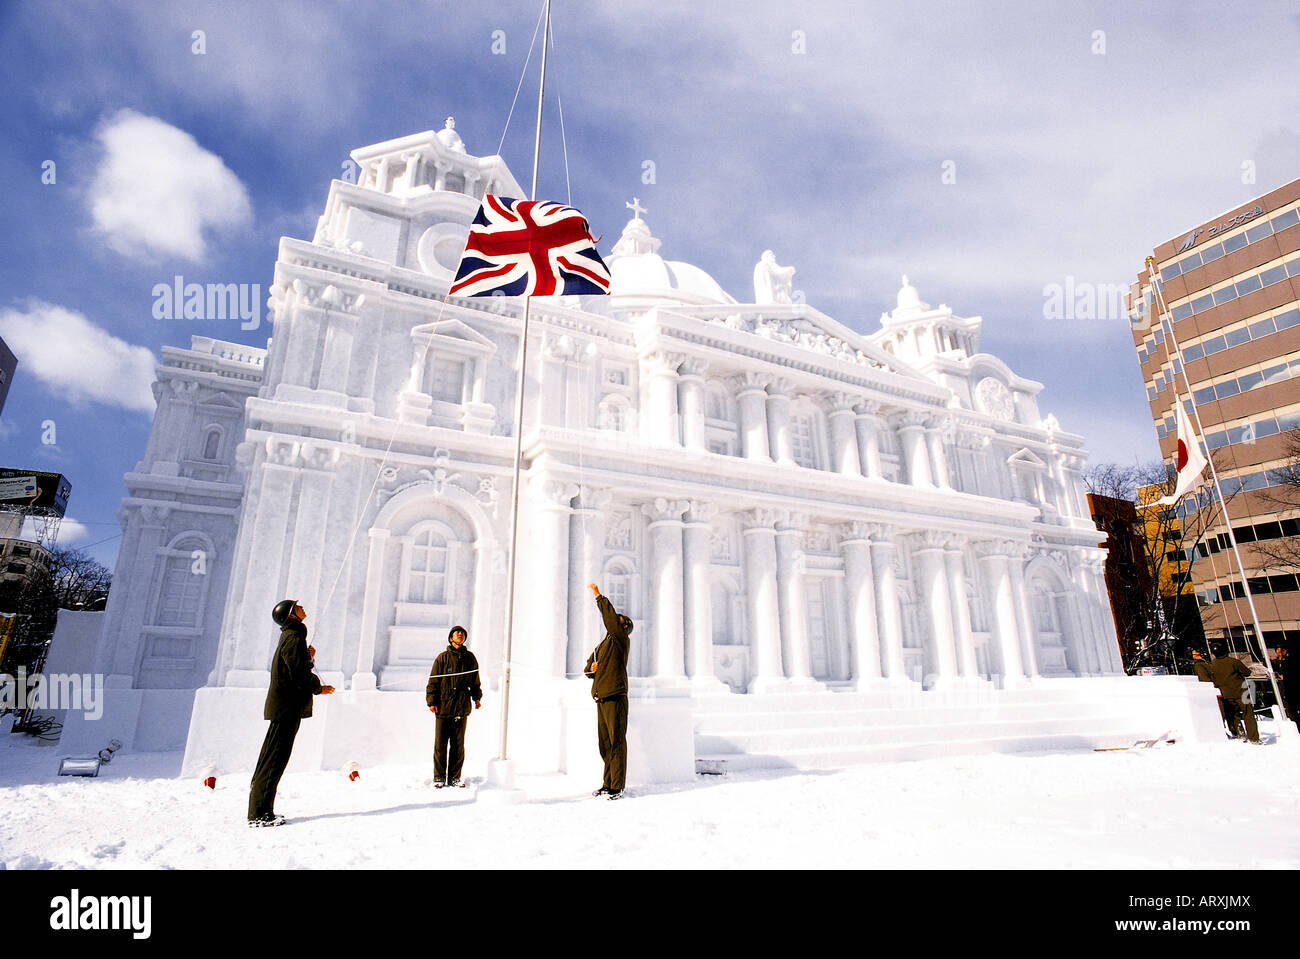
(453, 685)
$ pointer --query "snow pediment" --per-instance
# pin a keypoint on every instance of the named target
(220, 402)
(1026, 458)
(454, 332)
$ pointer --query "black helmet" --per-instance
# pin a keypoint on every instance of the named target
(283, 610)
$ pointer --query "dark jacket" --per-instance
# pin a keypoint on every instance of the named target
(454, 695)
(1202, 670)
(1228, 673)
(611, 678)
(293, 683)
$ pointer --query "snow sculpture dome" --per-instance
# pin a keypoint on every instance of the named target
(637, 269)
(449, 138)
(909, 301)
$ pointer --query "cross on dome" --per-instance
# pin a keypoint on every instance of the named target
(636, 208)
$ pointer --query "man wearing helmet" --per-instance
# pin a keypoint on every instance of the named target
(607, 670)
(288, 702)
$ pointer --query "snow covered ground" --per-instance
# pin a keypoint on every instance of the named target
(1210, 806)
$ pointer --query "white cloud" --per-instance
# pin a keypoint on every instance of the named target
(77, 359)
(157, 190)
(71, 531)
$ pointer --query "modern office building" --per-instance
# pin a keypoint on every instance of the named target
(1232, 291)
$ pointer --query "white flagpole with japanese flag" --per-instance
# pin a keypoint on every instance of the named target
(1190, 463)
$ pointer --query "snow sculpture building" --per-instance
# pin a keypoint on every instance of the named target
(785, 507)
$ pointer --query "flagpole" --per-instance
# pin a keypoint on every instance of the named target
(1282, 723)
(519, 430)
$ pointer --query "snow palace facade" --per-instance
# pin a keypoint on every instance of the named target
(798, 517)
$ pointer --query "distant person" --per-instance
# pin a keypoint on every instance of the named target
(607, 670)
(288, 702)
(453, 684)
(1229, 675)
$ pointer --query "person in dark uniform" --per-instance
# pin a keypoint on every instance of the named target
(607, 670)
(453, 683)
(1203, 674)
(1229, 673)
(288, 702)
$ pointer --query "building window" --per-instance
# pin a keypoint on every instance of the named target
(182, 593)
(427, 569)
(801, 441)
(447, 379)
(212, 444)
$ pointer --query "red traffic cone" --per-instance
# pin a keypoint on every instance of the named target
(209, 777)
(353, 771)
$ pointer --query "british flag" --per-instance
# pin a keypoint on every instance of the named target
(529, 248)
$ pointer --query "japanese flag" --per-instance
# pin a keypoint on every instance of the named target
(1189, 460)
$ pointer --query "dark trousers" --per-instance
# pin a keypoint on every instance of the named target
(449, 748)
(1239, 710)
(276, 749)
(611, 730)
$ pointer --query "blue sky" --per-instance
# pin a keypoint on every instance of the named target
(1076, 138)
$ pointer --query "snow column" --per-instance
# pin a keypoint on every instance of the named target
(956, 569)
(938, 600)
(661, 369)
(845, 458)
(309, 528)
(666, 585)
(859, 583)
(867, 423)
(911, 432)
(938, 458)
(691, 404)
(587, 539)
(364, 676)
(887, 610)
(764, 606)
(543, 625)
(778, 422)
(143, 538)
(1024, 620)
(793, 599)
(1107, 641)
(697, 596)
(994, 557)
(254, 635)
(751, 396)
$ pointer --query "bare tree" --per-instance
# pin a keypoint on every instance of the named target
(79, 581)
(1284, 494)
(1160, 625)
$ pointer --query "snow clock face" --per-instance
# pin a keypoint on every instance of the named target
(995, 398)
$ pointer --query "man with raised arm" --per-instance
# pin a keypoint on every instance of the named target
(607, 670)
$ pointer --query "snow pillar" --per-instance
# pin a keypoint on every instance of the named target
(666, 556)
(994, 557)
(691, 404)
(793, 598)
(859, 585)
(778, 423)
(954, 563)
(764, 606)
(751, 395)
(662, 374)
(364, 675)
(587, 534)
(911, 432)
(890, 617)
(1024, 620)
(254, 632)
(542, 626)
(938, 458)
(868, 427)
(845, 458)
(697, 594)
(938, 601)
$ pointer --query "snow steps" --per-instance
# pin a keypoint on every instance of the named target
(831, 729)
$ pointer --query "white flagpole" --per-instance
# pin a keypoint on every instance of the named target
(519, 427)
(1283, 724)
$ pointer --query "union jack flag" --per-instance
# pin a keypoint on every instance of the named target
(529, 248)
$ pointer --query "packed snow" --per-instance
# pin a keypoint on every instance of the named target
(1223, 805)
